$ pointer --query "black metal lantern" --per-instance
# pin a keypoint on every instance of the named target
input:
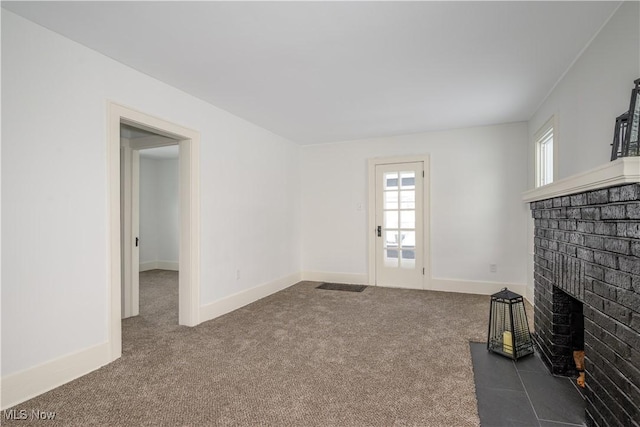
(631, 144)
(627, 131)
(508, 327)
(619, 134)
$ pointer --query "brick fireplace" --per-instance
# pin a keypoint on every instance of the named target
(587, 259)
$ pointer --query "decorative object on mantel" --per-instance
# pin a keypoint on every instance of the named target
(627, 130)
(619, 134)
(508, 327)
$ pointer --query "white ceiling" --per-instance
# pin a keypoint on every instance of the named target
(132, 132)
(164, 152)
(161, 153)
(329, 71)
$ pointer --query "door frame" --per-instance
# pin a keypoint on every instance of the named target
(426, 217)
(189, 188)
(130, 224)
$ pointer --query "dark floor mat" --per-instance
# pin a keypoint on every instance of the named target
(342, 287)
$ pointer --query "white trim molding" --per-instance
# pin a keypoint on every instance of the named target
(475, 287)
(159, 265)
(148, 266)
(437, 284)
(348, 278)
(625, 170)
(238, 300)
(24, 385)
(189, 172)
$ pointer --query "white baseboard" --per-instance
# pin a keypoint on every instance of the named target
(349, 278)
(24, 385)
(240, 299)
(474, 287)
(168, 265)
(146, 266)
(159, 265)
(444, 285)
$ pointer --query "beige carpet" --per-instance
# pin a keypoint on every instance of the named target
(301, 357)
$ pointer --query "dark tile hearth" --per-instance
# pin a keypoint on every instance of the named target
(523, 393)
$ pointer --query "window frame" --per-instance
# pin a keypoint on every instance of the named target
(540, 138)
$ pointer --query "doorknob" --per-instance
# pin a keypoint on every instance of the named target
(137, 242)
(379, 231)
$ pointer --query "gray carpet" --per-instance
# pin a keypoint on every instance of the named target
(301, 357)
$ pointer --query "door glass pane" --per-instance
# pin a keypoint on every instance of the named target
(408, 219)
(391, 219)
(391, 239)
(408, 259)
(408, 254)
(407, 199)
(407, 180)
(408, 239)
(391, 180)
(391, 200)
(391, 258)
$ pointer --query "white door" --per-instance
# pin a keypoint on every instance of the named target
(399, 225)
(130, 184)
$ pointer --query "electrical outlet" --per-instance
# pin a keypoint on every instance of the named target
(493, 268)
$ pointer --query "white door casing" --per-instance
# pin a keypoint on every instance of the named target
(398, 232)
(189, 258)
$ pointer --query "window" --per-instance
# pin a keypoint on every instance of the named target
(545, 154)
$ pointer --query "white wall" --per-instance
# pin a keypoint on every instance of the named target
(595, 90)
(477, 216)
(168, 210)
(148, 207)
(586, 101)
(55, 193)
(159, 211)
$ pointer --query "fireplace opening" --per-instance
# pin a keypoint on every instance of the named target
(568, 334)
(577, 338)
(563, 344)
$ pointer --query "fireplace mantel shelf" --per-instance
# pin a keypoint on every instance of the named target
(625, 170)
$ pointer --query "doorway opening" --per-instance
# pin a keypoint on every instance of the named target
(149, 194)
(123, 251)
